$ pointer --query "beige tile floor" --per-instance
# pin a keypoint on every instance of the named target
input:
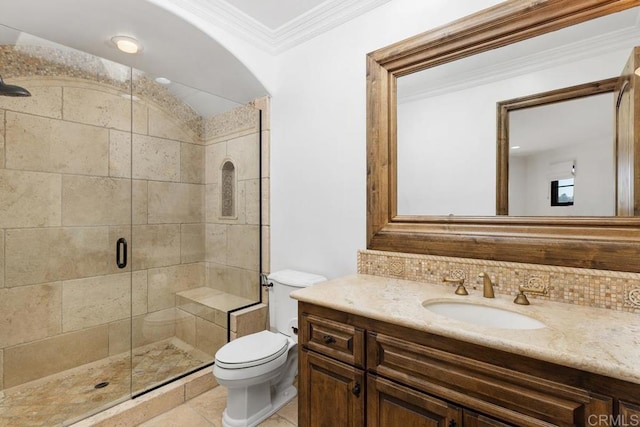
(206, 411)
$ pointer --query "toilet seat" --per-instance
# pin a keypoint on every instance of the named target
(252, 350)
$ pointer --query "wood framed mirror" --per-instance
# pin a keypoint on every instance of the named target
(609, 243)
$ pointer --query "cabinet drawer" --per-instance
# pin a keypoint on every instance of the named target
(337, 340)
(515, 397)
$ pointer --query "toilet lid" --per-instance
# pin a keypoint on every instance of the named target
(252, 350)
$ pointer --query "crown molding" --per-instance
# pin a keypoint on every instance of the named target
(584, 49)
(322, 18)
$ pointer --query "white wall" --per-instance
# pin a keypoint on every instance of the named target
(446, 154)
(318, 137)
(594, 181)
(517, 179)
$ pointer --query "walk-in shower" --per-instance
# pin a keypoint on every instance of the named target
(100, 164)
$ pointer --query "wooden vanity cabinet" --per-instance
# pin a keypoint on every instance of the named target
(359, 371)
(333, 384)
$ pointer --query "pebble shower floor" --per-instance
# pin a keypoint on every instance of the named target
(69, 395)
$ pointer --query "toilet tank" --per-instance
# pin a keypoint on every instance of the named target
(283, 310)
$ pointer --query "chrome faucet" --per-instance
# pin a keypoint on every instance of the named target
(487, 290)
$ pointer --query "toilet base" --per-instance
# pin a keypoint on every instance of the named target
(278, 400)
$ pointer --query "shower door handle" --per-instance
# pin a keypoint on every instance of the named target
(121, 252)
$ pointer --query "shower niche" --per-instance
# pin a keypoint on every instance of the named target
(101, 152)
(228, 190)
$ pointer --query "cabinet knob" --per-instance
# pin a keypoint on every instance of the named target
(452, 423)
(328, 339)
(356, 390)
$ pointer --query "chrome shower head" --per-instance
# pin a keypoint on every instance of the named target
(11, 90)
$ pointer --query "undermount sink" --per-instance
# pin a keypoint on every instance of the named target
(483, 315)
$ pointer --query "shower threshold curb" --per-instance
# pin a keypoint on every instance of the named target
(133, 412)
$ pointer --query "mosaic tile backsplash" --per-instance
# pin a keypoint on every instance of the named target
(613, 290)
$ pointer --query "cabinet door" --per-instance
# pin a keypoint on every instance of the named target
(392, 405)
(629, 414)
(331, 393)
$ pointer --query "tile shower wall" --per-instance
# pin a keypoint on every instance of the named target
(67, 185)
(232, 242)
(61, 297)
(595, 288)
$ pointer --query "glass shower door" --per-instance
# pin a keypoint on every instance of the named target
(168, 236)
(65, 192)
(196, 240)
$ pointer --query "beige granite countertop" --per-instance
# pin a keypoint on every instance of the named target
(596, 340)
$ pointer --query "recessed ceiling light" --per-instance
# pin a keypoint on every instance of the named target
(515, 147)
(127, 44)
(163, 80)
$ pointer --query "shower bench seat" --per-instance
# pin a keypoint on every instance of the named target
(210, 304)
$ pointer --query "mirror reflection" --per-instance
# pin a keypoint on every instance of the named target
(445, 169)
(566, 166)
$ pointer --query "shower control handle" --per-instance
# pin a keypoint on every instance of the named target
(121, 252)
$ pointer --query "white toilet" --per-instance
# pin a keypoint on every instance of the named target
(259, 369)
